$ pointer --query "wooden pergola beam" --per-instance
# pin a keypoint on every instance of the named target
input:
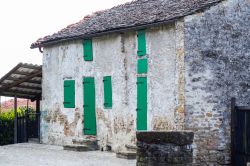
(28, 81)
(24, 73)
(28, 87)
(22, 96)
(24, 86)
(22, 92)
(31, 67)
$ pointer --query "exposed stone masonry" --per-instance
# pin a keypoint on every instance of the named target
(217, 62)
(164, 148)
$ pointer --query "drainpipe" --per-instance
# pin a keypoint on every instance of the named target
(40, 49)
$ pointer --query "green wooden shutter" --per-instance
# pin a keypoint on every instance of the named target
(89, 106)
(88, 50)
(69, 94)
(142, 66)
(141, 37)
(141, 103)
(107, 92)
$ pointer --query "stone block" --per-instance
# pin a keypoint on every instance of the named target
(132, 148)
(163, 148)
(158, 137)
(126, 155)
(92, 144)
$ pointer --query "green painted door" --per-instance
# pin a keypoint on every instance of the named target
(89, 106)
(141, 103)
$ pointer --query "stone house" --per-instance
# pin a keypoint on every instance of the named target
(152, 65)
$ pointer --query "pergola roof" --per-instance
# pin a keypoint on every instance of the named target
(23, 81)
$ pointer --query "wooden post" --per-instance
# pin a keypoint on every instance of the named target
(15, 120)
(38, 117)
(26, 117)
(27, 104)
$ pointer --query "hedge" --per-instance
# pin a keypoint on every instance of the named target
(7, 128)
(7, 125)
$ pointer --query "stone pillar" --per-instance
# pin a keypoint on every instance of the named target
(164, 148)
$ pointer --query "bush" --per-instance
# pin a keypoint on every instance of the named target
(7, 124)
(7, 128)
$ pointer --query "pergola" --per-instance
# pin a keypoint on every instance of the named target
(23, 81)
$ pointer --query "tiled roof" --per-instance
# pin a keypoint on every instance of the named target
(133, 14)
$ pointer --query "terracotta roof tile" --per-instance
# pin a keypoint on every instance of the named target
(132, 14)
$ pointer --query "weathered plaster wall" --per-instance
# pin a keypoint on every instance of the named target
(114, 55)
(217, 61)
(162, 90)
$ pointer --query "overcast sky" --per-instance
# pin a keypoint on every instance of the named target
(24, 21)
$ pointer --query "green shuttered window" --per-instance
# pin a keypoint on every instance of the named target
(88, 50)
(69, 94)
(141, 103)
(107, 92)
(141, 37)
(142, 66)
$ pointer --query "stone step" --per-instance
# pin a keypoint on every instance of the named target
(129, 155)
(79, 148)
(131, 148)
(80, 141)
(92, 144)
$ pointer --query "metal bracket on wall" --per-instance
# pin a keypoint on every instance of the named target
(138, 109)
(86, 129)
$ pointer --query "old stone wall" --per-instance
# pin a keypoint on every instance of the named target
(217, 63)
(164, 148)
(114, 55)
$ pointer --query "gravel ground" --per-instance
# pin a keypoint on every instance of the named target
(28, 154)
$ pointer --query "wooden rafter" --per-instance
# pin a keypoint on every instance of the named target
(28, 87)
(24, 73)
(25, 96)
(24, 86)
(25, 79)
(20, 92)
(28, 81)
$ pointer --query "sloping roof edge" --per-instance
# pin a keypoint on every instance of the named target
(43, 42)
